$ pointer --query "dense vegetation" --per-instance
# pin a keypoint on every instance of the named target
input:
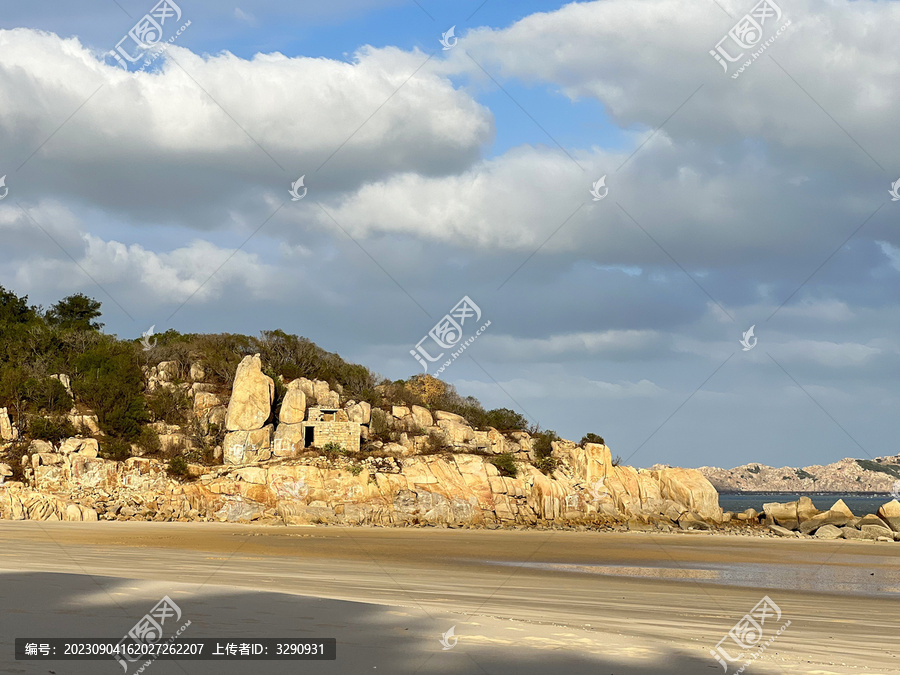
(889, 469)
(107, 377)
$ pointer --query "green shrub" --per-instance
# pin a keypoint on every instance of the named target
(379, 423)
(171, 406)
(178, 466)
(753, 469)
(503, 419)
(434, 444)
(47, 394)
(115, 448)
(108, 379)
(14, 453)
(505, 463)
(148, 442)
(355, 469)
(591, 437)
(546, 465)
(804, 474)
(333, 450)
(543, 443)
(50, 429)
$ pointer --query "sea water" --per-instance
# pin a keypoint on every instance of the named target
(859, 504)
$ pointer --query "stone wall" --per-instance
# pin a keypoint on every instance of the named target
(345, 434)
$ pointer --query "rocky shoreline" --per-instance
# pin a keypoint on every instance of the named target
(299, 459)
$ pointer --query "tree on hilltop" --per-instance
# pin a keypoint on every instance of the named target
(76, 312)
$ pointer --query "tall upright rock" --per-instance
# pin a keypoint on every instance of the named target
(289, 433)
(248, 437)
(7, 431)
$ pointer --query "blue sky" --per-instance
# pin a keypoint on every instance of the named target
(761, 200)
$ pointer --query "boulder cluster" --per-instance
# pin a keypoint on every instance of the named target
(452, 489)
(802, 518)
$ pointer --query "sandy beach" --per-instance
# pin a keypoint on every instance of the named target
(520, 601)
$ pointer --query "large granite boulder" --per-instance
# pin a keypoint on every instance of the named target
(455, 433)
(783, 531)
(7, 431)
(89, 447)
(288, 440)
(198, 372)
(251, 397)
(840, 507)
(828, 532)
(871, 519)
(361, 412)
(784, 515)
(293, 407)
(835, 518)
(421, 417)
(204, 402)
(688, 487)
(806, 509)
(252, 445)
(890, 514)
(874, 531)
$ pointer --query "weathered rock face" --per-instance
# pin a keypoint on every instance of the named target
(86, 447)
(689, 487)
(243, 447)
(249, 409)
(361, 413)
(251, 397)
(7, 431)
(198, 372)
(829, 532)
(784, 515)
(288, 440)
(18, 502)
(890, 514)
(89, 422)
(204, 402)
(458, 489)
(293, 407)
(830, 517)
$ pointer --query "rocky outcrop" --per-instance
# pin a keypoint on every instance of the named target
(7, 431)
(453, 489)
(18, 502)
(251, 396)
(248, 438)
(846, 475)
(794, 519)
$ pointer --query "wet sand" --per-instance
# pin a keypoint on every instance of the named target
(520, 601)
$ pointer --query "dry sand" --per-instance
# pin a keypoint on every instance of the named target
(520, 601)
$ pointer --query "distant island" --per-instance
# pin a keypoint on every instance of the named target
(846, 476)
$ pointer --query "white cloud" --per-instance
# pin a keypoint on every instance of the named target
(157, 143)
(246, 17)
(564, 387)
(643, 59)
(611, 344)
(829, 354)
